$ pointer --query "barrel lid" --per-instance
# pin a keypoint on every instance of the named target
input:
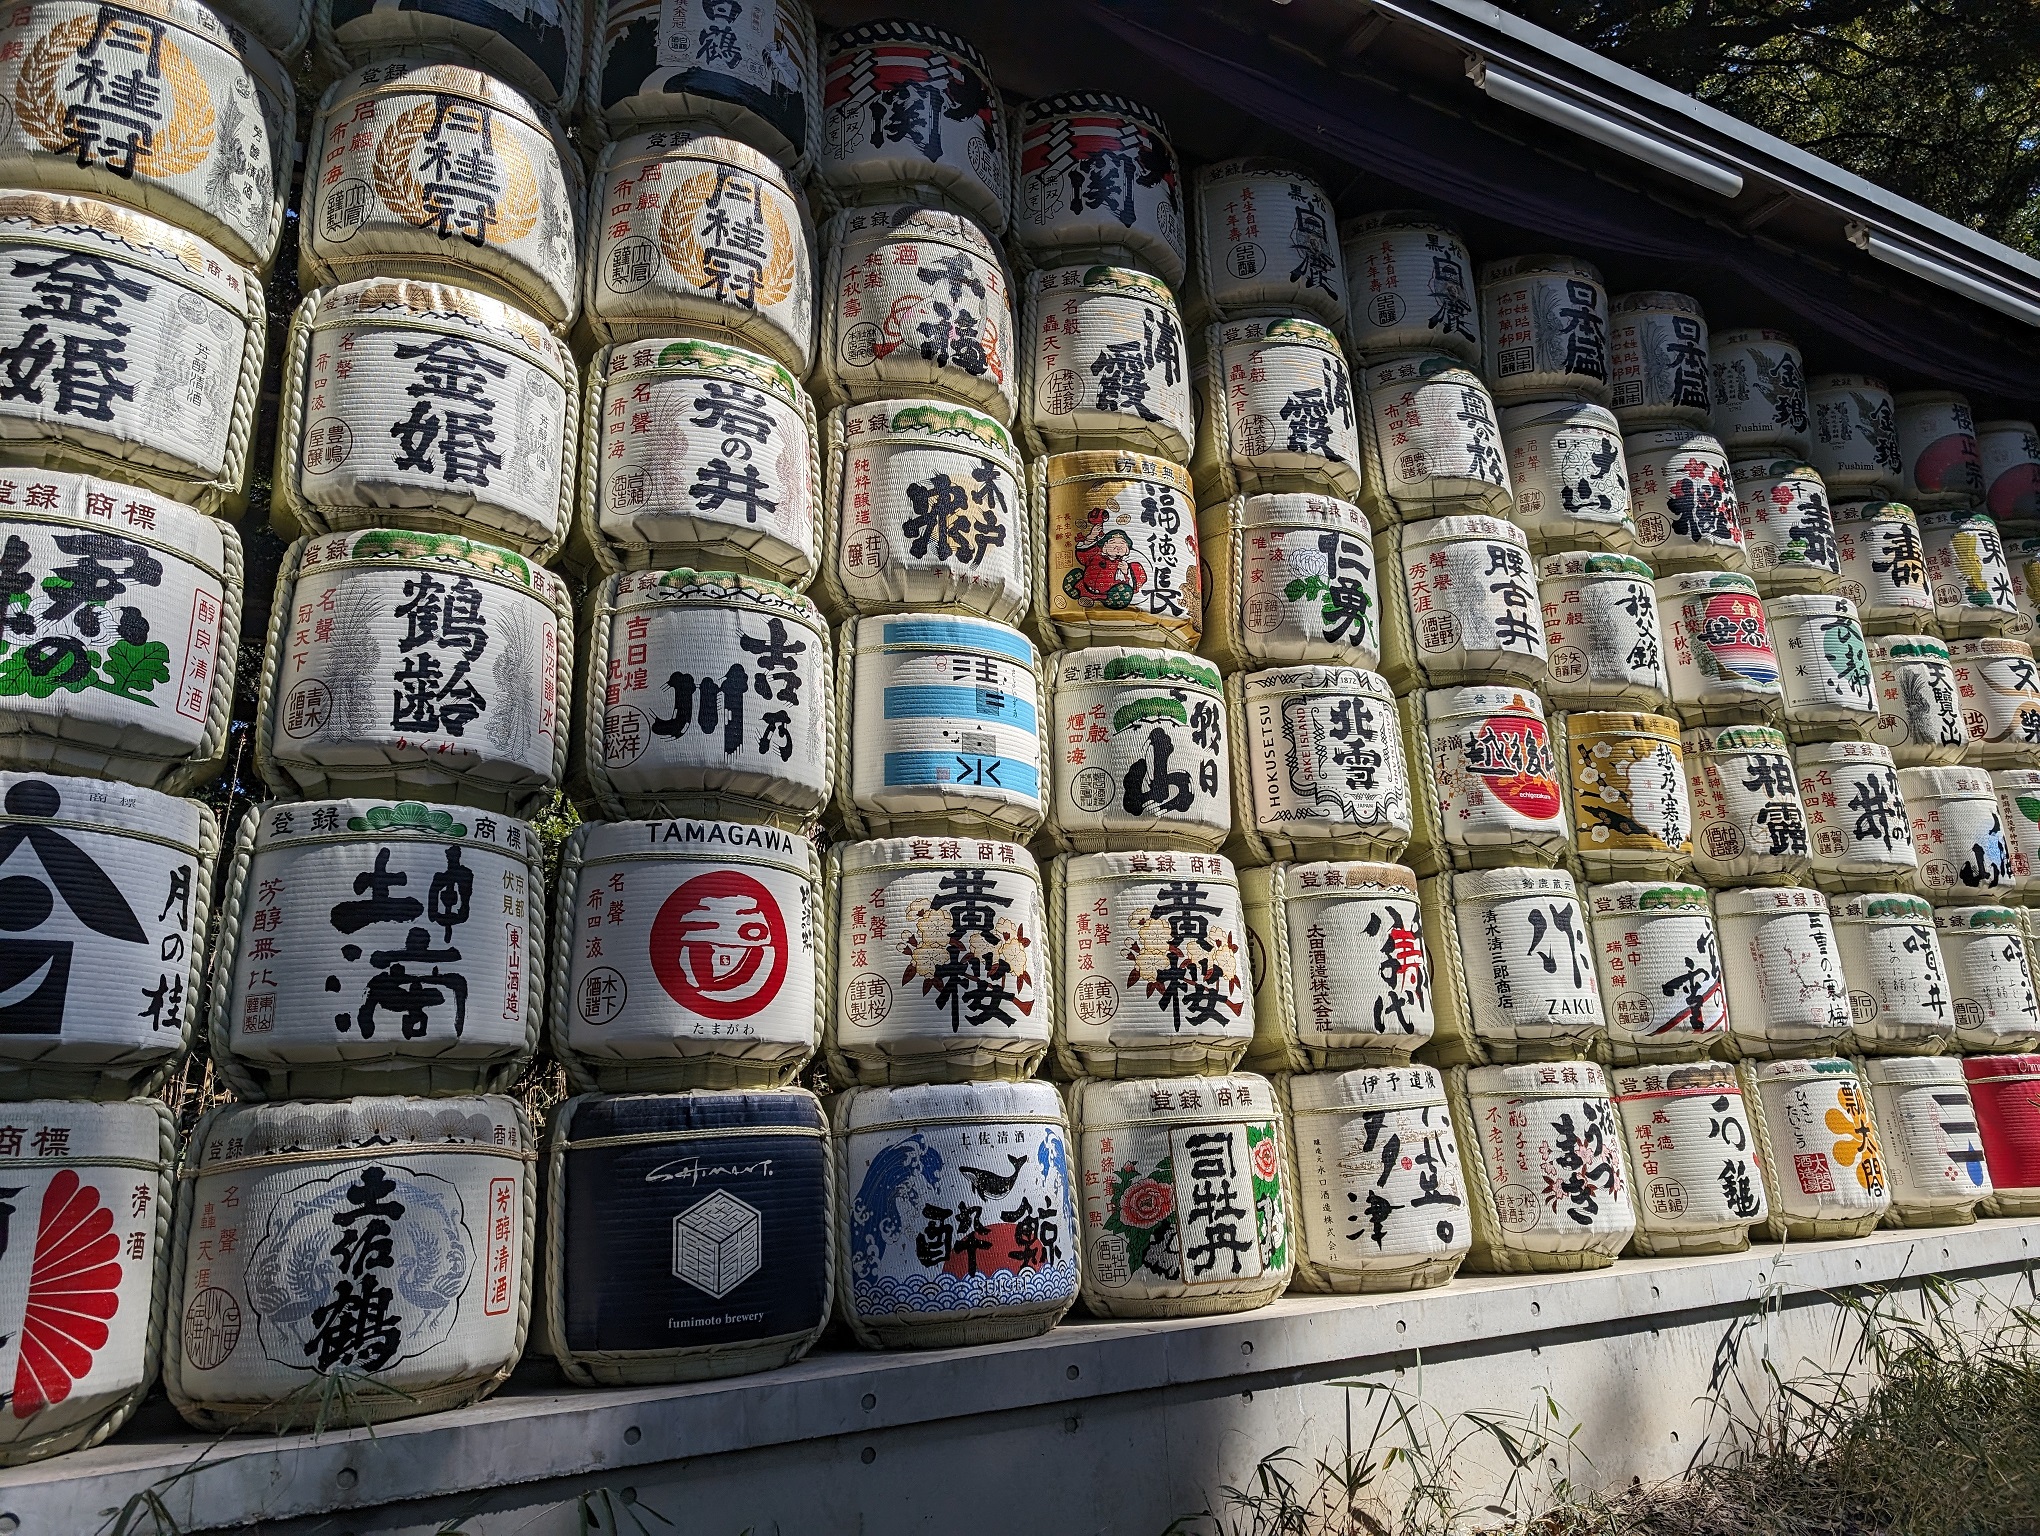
(946, 852)
(148, 517)
(1754, 900)
(877, 222)
(1441, 530)
(1558, 413)
(1732, 738)
(1621, 722)
(1660, 300)
(1400, 1087)
(1538, 1080)
(1944, 783)
(1511, 881)
(1654, 1082)
(1990, 1069)
(895, 632)
(1422, 368)
(131, 1130)
(1397, 218)
(691, 141)
(1907, 647)
(1868, 383)
(960, 426)
(1659, 896)
(1266, 166)
(1958, 518)
(1593, 562)
(243, 1134)
(1880, 907)
(131, 236)
(2022, 428)
(633, 590)
(1086, 103)
(686, 838)
(1268, 508)
(1911, 1071)
(1811, 605)
(1820, 752)
(686, 355)
(371, 299)
(1673, 440)
(895, 29)
(1441, 704)
(1112, 464)
(1873, 511)
(1316, 678)
(324, 821)
(1079, 868)
(1101, 278)
(2016, 778)
(1335, 877)
(1986, 647)
(1774, 469)
(426, 77)
(1541, 265)
(1801, 1070)
(1746, 335)
(1915, 397)
(29, 799)
(1978, 919)
(862, 1109)
(731, 1111)
(1135, 666)
(1234, 1096)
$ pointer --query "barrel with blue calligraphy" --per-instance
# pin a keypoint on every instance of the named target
(1891, 958)
(1970, 574)
(1749, 827)
(161, 335)
(958, 1213)
(1759, 389)
(1861, 837)
(1276, 412)
(1432, 440)
(1544, 329)
(374, 947)
(122, 664)
(1512, 958)
(1723, 666)
(534, 44)
(1267, 244)
(1317, 765)
(1292, 580)
(1139, 753)
(1410, 287)
(1566, 467)
(1788, 529)
(380, 1242)
(1097, 179)
(1937, 442)
(1998, 685)
(1919, 714)
(1657, 360)
(1852, 434)
(1463, 605)
(1104, 363)
(1958, 832)
(1694, 1179)
(1884, 565)
(1488, 792)
(1823, 666)
(421, 665)
(1118, 561)
(1601, 623)
(84, 1268)
(1926, 1126)
(1660, 969)
(687, 1236)
(2010, 454)
(1990, 977)
(1825, 1174)
(1782, 961)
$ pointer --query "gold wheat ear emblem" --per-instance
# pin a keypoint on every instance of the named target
(702, 264)
(61, 114)
(481, 144)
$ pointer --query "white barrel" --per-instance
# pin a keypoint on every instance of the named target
(1293, 579)
(429, 406)
(281, 26)
(1682, 501)
(1723, 666)
(105, 918)
(1919, 715)
(941, 961)
(1185, 1210)
(1660, 969)
(1749, 827)
(1267, 243)
(959, 1217)
(1783, 965)
(536, 48)
(698, 234)
(1970, 574)
(1958, 833)
(1858, 829)
(1788, 529)
(120, 649)
(941, 727)
(696, 453)
(1544, 1165)
(1566, 468)
(1852, 435)
(1317, 764)
(1626, 799)
(1139, 751)
(160, 336)
(1105, 364)
(1884, 565)
(1152, 963)
(2018, 793)
(1601, 621)
(1118, 562)
(1463, 605)
(90, 1193)
(1937, 443)
(1657, 363)
(1096, 177)
(1823, 666)
(1375, 1176)
(1544, 329)
(687, 954)
(1999, 689)
(1824, 1171)
(1898, 987)
(416, 664)
(1275, 412)
(1342, 974)
(1759, 390)
(1433, 441)
(1990, 978)
(1410, 286)
(1490, 793)
(2010, 454)
(1933, 1151)
(1694, 1177)
(1513, 955)
(442, 172)
(925, 507)
(376, 948)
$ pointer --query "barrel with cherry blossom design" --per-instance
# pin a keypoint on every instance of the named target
(1694, 1177)
(1787, 995)
(1626, 790)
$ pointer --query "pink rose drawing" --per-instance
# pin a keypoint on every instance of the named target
(1146, 1202)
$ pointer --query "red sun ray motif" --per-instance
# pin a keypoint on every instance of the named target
(73, 1290)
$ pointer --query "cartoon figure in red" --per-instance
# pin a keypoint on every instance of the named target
(1106, 573)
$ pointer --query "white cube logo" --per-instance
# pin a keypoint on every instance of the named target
(718, 1244)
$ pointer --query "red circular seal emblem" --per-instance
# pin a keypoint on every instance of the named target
(719, 945)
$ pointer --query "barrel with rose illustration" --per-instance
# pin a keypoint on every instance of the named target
(1898, 987)
(1411, 286)
(1682, 501)
(1118, 561)
(1490, 791)
(1787, 995)
(1852, 434)
(1293, 579)
(1267, 244)
(1544, 329)
(1105, 364)
(1139, 751)
(1926, 1126)
(1317, 764)
(1694, 1179)
(1759, 390)
(1566, 468)
(1512, 958)
(1658, 362)
(1660, 968)
(1097, 179)
(1825, 1174)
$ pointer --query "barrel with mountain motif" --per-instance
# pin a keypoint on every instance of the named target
(536, 47)
(1958, 832)
(1097, 179)
(1139, 750)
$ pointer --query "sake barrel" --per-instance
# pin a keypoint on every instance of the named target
(1318, 768)
(465, 412)
(1097, 177)
(1682, 501)
(699, 454)
(1782, 962)
(1275, 412)
(537, 48)
(1267, 243)
(1937, 444)
(1433, 443)
(193, 123)
(2010, 454)
(1749, 827)
(1759, 390)
(2025, 625)
(687, 954)
(2005, 1092)
(1342, 974)
(415, 664)
(1969, 573)
(422, 1304)
(914, 302)
(1858, 830)
(926, 508)
(1512, 955)
(1185, 1213)
(1626, 795)
(1694, 1183)
(1657, 360)
(1957, 831)
(1106, 366)
(1884, 565)
(1601, 621)
(119, 653)
(1660, 969)
(281, 26)
(1919, 715)
(1543, 1160)
(1293, 579)
(1491, 793)
(1852, 434)
(941, 727)
(1898, 988)
(88, 1286)
(700, 234)
(1999, 689)
(1379, 1193)
(1823, 666)
(1544, 329)
(442, 172)
(1139, 751)
(1824, 1172)
(1118, 561)
(687, 1235)
(935, 936)
(161, 335)
(2018, 794)
(1723, 666)
(1153, 964)
(956, 1203)
(907, 107)
(1926, 1126)
(1410, 286)
(1463, 606)
(1788, 530)
(1990, 978)
(1565, 465)
(106, 926)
